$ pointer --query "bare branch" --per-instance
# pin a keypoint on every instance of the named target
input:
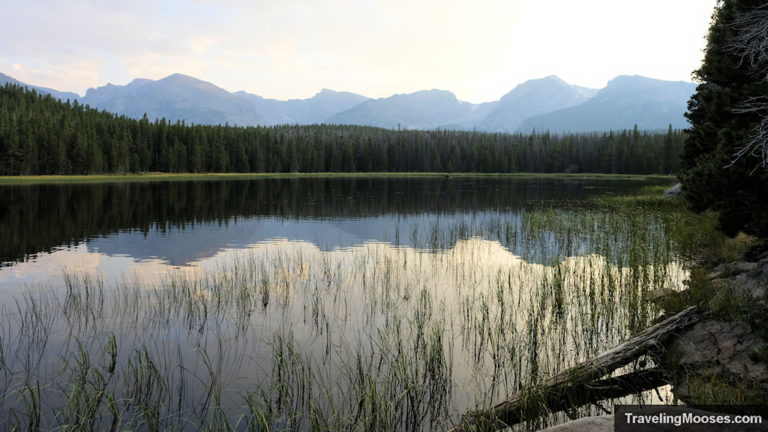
(751, 44)
(758, 144)
(751, 41)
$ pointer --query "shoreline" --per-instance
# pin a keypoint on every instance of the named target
(164, 177)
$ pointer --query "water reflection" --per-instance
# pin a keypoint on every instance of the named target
(35, 219)
(469, 324)
(370, 305)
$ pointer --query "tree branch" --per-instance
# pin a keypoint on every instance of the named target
(581, 384)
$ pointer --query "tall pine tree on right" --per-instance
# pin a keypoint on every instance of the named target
(725, 158)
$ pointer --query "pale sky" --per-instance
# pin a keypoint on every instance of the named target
(285, 49)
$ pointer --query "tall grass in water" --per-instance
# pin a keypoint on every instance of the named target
(375, 337)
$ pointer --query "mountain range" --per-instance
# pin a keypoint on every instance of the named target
(5, 79)
(625, 101)
(545, 104)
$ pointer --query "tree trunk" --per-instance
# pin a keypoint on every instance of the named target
(581, 384)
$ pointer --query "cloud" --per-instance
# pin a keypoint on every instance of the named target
(62, 76)
(293, 48)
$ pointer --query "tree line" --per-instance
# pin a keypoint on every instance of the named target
(42, 135)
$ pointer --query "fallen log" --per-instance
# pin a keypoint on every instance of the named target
(581, 384)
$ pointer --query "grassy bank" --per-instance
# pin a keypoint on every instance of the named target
(157, 177)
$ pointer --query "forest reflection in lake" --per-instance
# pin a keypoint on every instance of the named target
(316, 303)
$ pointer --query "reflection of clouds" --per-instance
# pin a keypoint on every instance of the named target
(48, 268)
(483, 298)
(48, 263)
(490, 253)
(480, 265)
(481, 257)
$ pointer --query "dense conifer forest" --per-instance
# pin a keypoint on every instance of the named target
(42, 135)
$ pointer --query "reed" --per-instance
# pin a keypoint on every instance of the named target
(375, 337)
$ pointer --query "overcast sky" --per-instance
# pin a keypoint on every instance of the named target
(291, 49)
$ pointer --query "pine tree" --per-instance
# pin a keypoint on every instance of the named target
(39, 134)
(711, 175)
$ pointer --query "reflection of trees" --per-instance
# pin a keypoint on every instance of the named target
(38, 218)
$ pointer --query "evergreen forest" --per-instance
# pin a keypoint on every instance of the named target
(41, 135)
(723, 166)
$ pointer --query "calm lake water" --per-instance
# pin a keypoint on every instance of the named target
(388, 303)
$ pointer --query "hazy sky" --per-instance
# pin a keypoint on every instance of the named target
(291, 49)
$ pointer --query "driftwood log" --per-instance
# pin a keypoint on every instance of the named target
(582, 384)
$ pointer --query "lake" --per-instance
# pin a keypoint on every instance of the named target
(328, 303)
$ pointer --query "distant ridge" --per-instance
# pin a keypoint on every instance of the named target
(64, 96)
(426, 109)
(544, 104)
(626, 101)
(531, 98)
(316, 109)
(175, 97)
